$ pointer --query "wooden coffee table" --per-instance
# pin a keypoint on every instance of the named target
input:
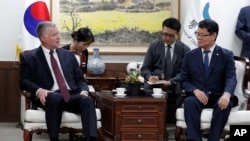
(132, 118)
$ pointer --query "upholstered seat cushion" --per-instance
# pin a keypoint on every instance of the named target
(38, 116)
(236, 117)
(35, 119)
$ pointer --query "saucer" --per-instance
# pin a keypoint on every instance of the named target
(247, 91)
(120, 95)
(157, 95)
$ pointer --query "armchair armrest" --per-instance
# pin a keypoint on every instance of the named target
(27, 96)
(247, 93)
(183, 94)
(181, 99)
(93, 95)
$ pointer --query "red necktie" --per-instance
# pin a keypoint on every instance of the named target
(59, 78)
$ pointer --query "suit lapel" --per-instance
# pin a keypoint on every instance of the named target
(175, 53)
(60, 57)
(43, 60)
(200, 61)
(162, 49)
(215, 55)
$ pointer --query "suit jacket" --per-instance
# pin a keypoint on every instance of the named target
(35, 72)
(243, 30)
(154, 60)
(221, 72)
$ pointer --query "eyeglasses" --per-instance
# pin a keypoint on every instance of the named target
(197, 34)
(168, 35)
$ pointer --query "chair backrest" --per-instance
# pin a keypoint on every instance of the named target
(242, 74)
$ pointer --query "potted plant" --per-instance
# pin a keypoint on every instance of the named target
(133, 81)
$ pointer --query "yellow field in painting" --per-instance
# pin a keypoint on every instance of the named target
(112, 20)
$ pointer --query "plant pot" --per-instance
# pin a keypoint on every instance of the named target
(133, 89)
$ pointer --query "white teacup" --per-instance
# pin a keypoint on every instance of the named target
(157, 90)
(120, 90)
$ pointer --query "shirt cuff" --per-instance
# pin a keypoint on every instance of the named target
(85, 92)
(38, 91)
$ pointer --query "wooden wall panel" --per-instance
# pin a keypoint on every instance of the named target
(9, 92)
(115, 69)
(2, 91)
(13, 91)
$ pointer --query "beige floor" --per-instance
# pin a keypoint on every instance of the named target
(10, 132)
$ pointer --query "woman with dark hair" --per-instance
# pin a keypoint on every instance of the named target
(82, 38)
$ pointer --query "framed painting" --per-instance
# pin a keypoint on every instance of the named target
(118, 25)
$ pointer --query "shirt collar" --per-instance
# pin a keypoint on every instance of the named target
(46, 50)
(211, 49)
(172, 45)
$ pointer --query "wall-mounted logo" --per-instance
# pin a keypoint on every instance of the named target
(206, 11)
(34, 14)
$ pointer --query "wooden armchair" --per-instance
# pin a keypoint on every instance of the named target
(33, 121)
(239, 114)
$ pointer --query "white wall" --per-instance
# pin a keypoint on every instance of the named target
(9, 27)
(225, 12)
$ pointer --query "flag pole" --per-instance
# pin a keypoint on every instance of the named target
(179, 9)
(50, 8)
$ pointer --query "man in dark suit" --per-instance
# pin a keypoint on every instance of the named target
(208, 77)
(154, 68)
(243, 30)
(37, 76)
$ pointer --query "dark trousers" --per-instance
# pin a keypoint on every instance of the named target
(78, 104)
(192, 114)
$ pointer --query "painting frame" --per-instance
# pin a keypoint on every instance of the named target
(114, 49)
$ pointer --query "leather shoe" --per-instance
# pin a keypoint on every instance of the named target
(93, 139)
(54, 139)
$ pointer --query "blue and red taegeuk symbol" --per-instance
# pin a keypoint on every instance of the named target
(34, 14)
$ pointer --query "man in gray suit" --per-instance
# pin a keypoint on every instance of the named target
(163, 61)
